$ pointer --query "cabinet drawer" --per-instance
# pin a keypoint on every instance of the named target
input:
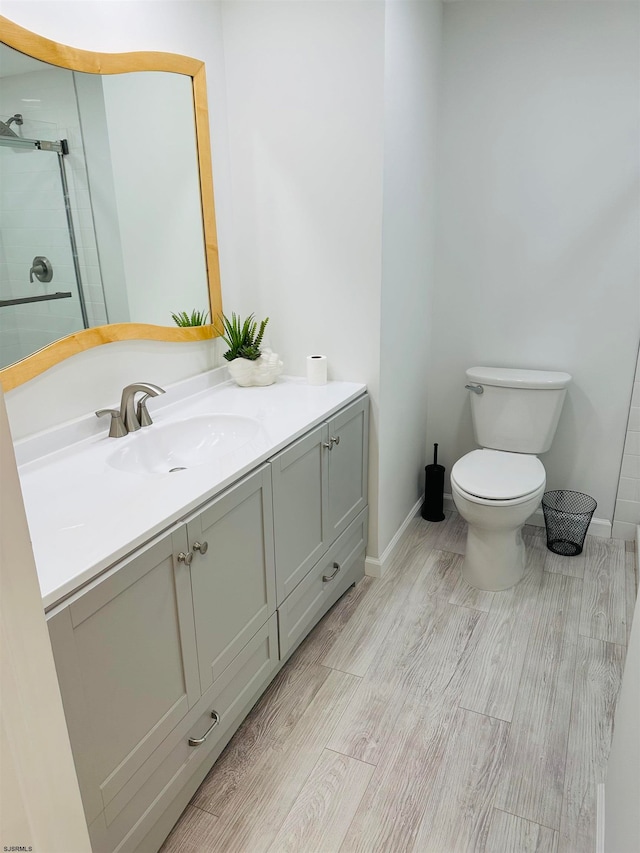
(132, 813)
(341, 566)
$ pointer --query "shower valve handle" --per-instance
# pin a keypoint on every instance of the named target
(42, 269)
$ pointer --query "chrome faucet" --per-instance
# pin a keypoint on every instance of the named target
(134, 420)
(128, 418)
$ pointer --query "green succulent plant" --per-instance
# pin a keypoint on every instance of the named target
(241, 338)
(197, 318)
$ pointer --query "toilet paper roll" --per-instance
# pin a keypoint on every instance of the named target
(317, 369)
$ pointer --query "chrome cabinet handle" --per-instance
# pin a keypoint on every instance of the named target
(333, 440)
(203, 547)
(477, 389)
(327, 578)
(196, 741)
(185, 558)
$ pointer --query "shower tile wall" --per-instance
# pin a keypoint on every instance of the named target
(627, 511)
(33, 220)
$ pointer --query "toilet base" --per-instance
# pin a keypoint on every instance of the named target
(494, 559)
(495, 556)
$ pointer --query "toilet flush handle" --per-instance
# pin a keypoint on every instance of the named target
(477, 389)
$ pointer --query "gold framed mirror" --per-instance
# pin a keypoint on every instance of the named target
(89, 63)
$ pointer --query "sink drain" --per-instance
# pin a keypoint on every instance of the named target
(171, 470)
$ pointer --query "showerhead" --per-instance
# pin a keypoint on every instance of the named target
(5, 130)
(5, 126)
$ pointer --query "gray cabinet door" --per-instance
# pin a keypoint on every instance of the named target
(348, 466)
(300, 508)
(233, 582)
(125, 655)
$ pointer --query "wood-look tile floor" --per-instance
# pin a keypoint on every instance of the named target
(423, 715)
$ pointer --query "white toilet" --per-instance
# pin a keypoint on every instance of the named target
(515, 414)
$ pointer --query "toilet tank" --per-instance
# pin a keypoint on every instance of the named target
(518, 410)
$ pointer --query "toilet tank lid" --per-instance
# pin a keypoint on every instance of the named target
(510, 377)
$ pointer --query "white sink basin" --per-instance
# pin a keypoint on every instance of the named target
(179, 445)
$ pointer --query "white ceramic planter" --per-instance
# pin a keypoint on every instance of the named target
(262, 371)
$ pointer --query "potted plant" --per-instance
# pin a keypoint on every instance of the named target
(196, 318)
(249, 362)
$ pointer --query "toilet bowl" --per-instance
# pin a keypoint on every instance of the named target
(496, 491)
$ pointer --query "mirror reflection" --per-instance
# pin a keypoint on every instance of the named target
(100, 207)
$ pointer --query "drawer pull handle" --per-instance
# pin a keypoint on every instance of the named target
(185, 558)
(327, 578)
(196, 741)
(203, 547)
(333, 440)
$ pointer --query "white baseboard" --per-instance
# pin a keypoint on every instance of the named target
(600, 818)
(375, 567)
(599, 526)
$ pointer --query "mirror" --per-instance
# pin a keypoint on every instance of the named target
(107, 222)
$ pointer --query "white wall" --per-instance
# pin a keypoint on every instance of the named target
(622, 786)
(305, 116)
(627, 512)
(412, 56)
(538, 221)
(305, 94)
(39, 795)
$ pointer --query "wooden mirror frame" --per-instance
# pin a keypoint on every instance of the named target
(75, 59)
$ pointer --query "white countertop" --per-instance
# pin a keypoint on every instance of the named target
(84, 515)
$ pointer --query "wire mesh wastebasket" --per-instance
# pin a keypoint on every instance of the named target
(567, 516)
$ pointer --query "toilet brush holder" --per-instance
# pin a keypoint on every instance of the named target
(433, 490)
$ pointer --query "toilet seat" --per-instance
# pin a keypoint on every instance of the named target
(498, 475)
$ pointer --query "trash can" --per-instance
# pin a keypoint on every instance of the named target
(567, 516)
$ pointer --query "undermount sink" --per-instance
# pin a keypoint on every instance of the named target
(179, 445)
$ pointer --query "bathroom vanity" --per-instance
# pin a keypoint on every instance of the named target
(173, 599)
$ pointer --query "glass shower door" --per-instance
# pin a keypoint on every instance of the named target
(35, 309)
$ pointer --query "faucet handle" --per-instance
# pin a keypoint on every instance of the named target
(142, 413)
(117, 428)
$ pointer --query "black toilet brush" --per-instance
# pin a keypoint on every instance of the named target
(433, 490)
